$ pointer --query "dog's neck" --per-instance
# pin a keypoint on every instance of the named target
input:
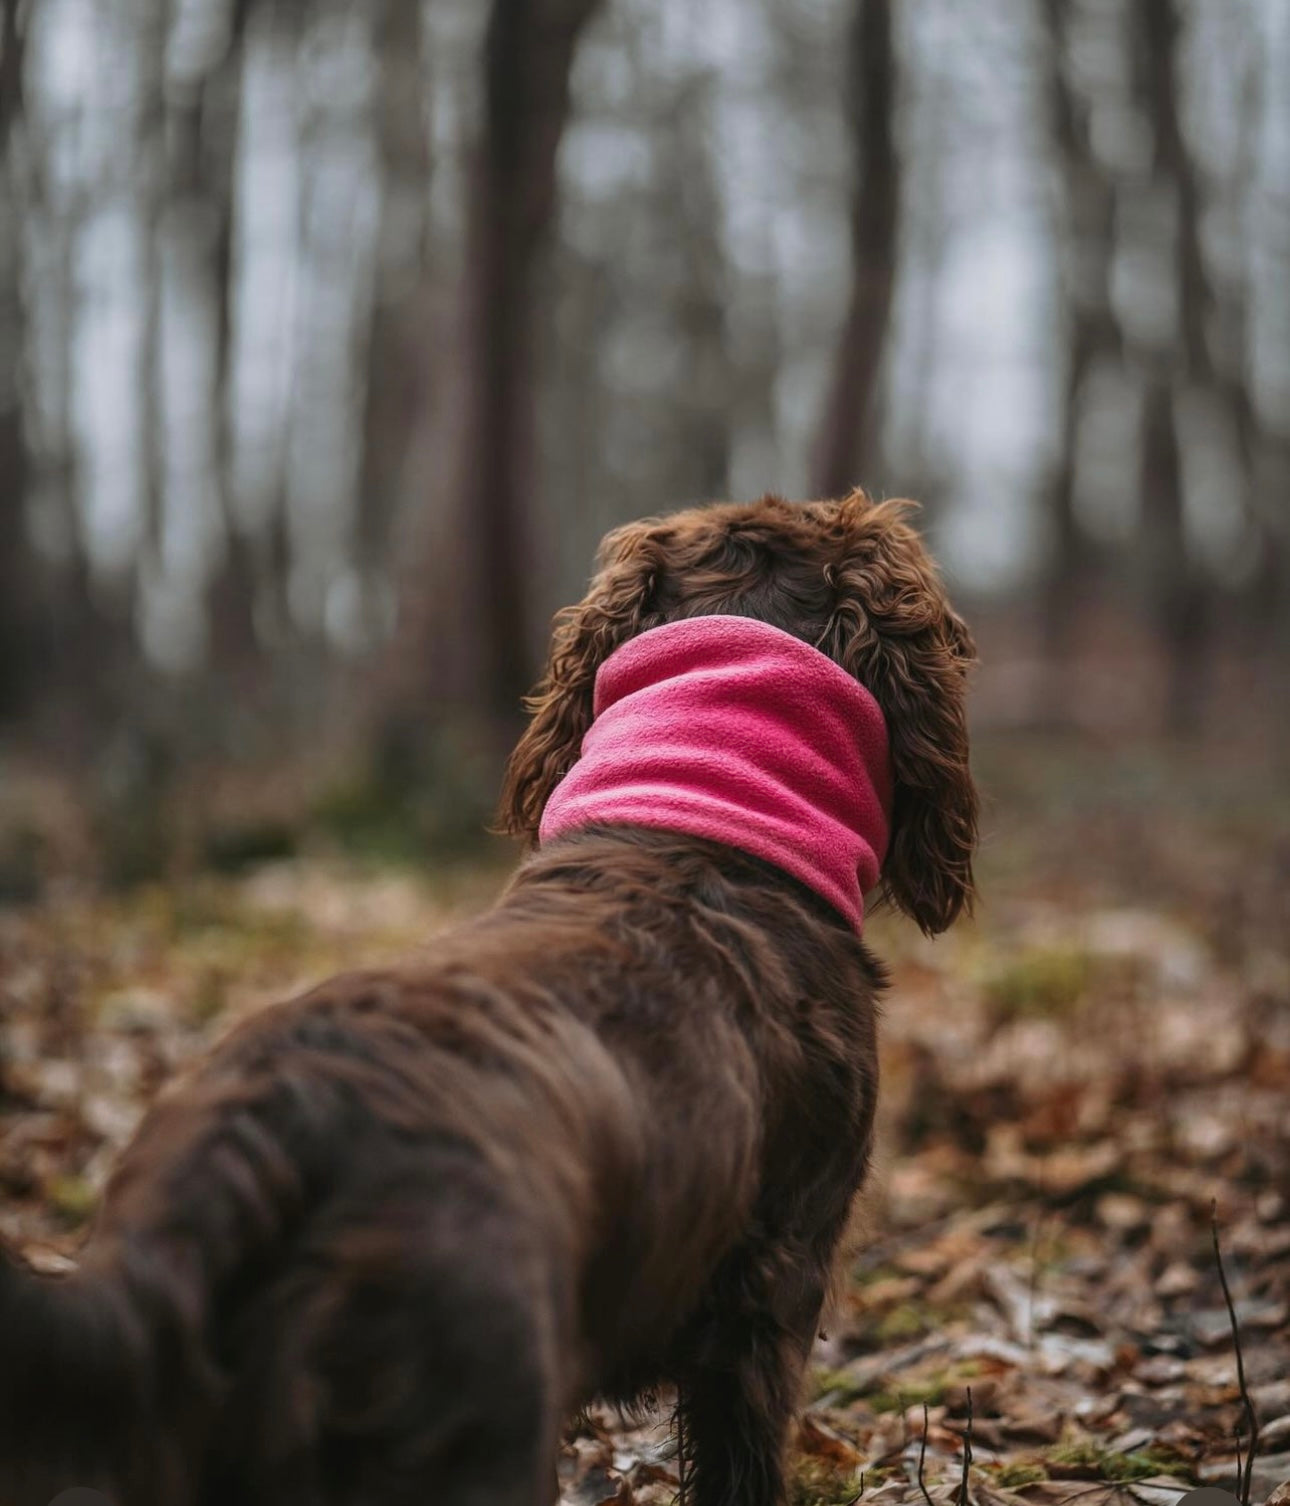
(730, 729)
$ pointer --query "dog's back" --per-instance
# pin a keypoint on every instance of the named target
(391, 1231)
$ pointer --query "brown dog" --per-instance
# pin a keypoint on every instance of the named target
(380, 1243)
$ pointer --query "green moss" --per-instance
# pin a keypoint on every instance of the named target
(1041, 981)
(1156, 1459)
(907, 1320)
(1089, 1457)
(813, 1482)
(883, 1326)
(835, 1383)
(1081, 1453)
(915, 1393)
(1019, 1472)
(71, 1198)
(931, 1390)
(863, 1277)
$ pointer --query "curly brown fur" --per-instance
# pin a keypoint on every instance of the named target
(851, 578)
(606, 1136)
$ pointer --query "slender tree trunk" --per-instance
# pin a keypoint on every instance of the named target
(234, 646)
(17, 648)
(1162, 27)
(153, 200)
(17, 639)
(528, 55)
(398, 355)
(1179, 605)
(1269, 597)
(71, 640)
(1178, 593)
(711, 391)
(1085, 243)
(848, 434)
(467, 634)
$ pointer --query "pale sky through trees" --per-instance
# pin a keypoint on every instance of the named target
(121, 304)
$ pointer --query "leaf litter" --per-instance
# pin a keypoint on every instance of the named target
(1072, 1084)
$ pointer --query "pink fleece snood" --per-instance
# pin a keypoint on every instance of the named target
(728, 728)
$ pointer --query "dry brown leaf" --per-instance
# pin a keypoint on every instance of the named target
(816, 1438)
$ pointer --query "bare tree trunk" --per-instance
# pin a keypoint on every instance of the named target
(152, 197)
(1269, 597)
(398, 356)
(234, 646)
(528, 55)
(849, 431)
(1161, 27)
(56, 632)
(17, 646)
(1179, 599)
(1085, 246)
(1179, 605)
(689, 180)
(469, 638)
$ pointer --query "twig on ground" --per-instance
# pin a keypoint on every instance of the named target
(922, 1454)
(682, 1482)
(1244, 1480)
(1034, 1271)
(1116, 1489)
(967, 1454)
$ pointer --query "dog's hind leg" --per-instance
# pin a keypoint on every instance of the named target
(741, 1386)
(477, 1426)
(407, 1355)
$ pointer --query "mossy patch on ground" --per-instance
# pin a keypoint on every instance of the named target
(72, 1198)
(1084, 1457)
(1017, 1473)
(816, 1482)
(1039, 981)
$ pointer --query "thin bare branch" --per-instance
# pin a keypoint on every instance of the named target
(1245, 1479)
(964, 1499)
(1034, 1276)
(682, 1479)
(922, 1454)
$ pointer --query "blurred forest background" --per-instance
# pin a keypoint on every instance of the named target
(333, 335)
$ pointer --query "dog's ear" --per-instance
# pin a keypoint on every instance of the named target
(614, 610)
(895, 631)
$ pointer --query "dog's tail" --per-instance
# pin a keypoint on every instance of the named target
(70, 1384)
(110, 1377)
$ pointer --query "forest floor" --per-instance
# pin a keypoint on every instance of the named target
(1079, 1086)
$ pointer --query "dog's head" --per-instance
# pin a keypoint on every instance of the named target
(853, 579)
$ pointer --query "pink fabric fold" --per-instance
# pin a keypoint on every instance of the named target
(730, 729)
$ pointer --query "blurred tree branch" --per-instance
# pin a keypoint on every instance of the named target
(1176, 587)
(17, 647)
(470, 637)
(1085, 246)
(849, 431)
(399, 352)
(210, 145)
